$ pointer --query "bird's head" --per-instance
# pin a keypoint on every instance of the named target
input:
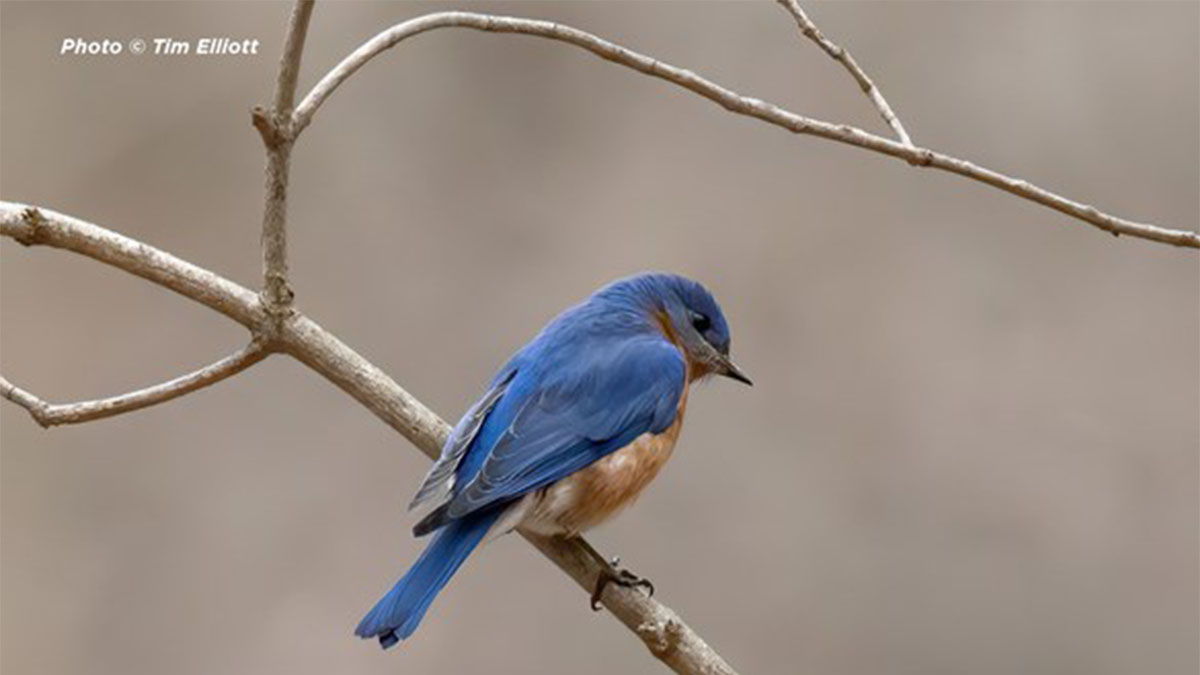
(690, 317)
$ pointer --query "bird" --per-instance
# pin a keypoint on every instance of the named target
(568, 433)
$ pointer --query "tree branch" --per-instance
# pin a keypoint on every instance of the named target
(275, 126)
(51, 414)
(276, 326)
(659, 628)
(810, 31)
(289, 61)
(33, 226)
(730, 100)
(663, 632)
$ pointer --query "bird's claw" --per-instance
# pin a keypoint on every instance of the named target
(614, 574)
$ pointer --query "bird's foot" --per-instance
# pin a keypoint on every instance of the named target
(613, 573)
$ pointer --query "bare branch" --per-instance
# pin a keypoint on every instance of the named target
(659, 627)
(322, 351)
(663, 632)
(33, 226)
(51, 414)
(277, 293)
(275, 126)
(289, 61)
(731, 101)
(276, 326)
(810, 31)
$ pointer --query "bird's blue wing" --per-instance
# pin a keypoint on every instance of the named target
(568, 416)
(439, 482)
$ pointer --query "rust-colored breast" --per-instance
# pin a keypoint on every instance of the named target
(594, 494)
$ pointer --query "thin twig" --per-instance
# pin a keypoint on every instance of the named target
(289, 60)
(842, 56)
(51, 414)
(276, 129)
(729, 100)
(659, 627)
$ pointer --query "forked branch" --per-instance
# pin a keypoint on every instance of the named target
(278, 327)
(810, 31)
(730, 100)
(275, 127)
(659, 628)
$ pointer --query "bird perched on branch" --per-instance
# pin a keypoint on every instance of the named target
(568, 433)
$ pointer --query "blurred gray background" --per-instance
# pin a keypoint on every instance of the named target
(972, 446)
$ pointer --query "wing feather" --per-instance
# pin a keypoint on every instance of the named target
(439, 482)
(576, 416)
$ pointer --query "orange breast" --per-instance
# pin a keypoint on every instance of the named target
(594, 494)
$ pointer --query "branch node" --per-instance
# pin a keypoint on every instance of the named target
(275, 129)
(661, 635)
(36, 223)
(920, 157)
(276, 298)
(37, 408)
(839, 54)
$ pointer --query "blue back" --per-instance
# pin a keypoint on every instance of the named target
(598, 376)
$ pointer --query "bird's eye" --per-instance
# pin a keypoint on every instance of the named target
(701, 322)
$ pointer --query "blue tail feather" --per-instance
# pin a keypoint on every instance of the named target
(398, 613)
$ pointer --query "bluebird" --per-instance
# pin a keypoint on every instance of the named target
(568, 433)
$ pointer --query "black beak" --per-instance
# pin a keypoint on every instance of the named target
(729, 369)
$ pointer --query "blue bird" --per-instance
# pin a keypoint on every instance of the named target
(568, 433)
